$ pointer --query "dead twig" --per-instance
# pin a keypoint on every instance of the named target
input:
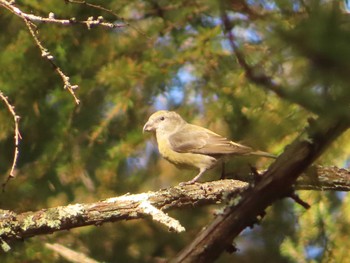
(17, 137)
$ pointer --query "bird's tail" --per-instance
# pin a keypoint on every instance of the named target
(263, 154)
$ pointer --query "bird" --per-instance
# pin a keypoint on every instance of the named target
(191, 146)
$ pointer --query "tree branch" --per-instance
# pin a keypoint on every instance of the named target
(316, 177)
(18, 226)
(324, 178)
(89, 23)
(109, 11)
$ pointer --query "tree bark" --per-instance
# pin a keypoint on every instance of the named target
(46, 221)
(15, 226)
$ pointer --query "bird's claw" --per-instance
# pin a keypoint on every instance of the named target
(188, 183)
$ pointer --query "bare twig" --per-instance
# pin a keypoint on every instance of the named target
(298, 200)
(46, 54)
(69, 254)
(109, 11)
(28, 18)
(17, 138)
(90, 22)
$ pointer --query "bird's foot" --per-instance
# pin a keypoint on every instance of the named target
(188, 182)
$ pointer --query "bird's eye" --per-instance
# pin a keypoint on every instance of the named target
(162, 118)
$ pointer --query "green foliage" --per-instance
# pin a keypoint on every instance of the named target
(170, 54)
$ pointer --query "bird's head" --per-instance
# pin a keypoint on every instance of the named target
(163, 121)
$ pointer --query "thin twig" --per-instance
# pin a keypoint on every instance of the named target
(69, 254)
(91, 21)
(109, 11)
(46, 54)
(17, 137)
(29, 18)
(257, 75)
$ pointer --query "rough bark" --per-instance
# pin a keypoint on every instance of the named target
(15, 226)
(324, 178)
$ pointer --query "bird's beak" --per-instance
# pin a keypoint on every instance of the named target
(148, 127)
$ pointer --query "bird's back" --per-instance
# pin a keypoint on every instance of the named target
(195, 139)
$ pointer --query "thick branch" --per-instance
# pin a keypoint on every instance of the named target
(275, 184)
(18, 226)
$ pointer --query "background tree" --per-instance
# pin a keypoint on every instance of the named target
(255, 71)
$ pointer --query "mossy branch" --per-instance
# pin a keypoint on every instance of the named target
(46, 221)
(15, 226)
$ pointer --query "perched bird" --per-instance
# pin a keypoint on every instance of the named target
(191, 146)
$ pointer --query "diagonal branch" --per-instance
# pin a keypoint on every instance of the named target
(46, 54)
(257, 75)
(276, 183)
(29, 20)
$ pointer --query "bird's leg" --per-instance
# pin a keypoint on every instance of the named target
(223, 175)
(201, 172)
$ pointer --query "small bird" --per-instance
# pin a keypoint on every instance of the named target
(190, 146)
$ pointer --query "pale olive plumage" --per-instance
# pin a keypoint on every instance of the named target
(191, 146)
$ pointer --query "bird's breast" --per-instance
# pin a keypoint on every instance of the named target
(184, 160)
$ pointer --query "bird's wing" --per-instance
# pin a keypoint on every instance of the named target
(195, 139)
